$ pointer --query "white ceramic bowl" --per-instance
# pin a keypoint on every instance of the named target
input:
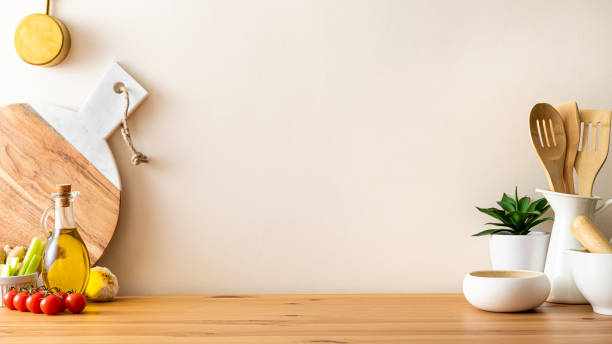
(506, 290)
(592, 274)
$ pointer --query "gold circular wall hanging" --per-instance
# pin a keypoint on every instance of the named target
(42, 40)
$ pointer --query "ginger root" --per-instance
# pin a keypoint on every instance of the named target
(7, 249)
(18, 251)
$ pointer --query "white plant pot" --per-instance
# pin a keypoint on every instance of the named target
(519, 252)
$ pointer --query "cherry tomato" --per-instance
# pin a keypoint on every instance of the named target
(8, 298)
(33, 302)
(75, 302)
(19, 301)
(62, 297)
(51, 304)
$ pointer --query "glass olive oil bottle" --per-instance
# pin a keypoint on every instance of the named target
(65, 260)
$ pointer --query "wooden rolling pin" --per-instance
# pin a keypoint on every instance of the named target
(590, 236)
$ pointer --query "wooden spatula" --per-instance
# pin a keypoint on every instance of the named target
(548, 139)
(571, 122)
(593, 150)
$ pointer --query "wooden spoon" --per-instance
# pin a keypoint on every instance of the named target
(571, 121)
(548, 139)
(592, 153)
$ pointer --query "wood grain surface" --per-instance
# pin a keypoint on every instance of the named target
(33, 159)
(333, 319)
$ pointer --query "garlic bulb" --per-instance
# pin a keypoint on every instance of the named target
(103, 284)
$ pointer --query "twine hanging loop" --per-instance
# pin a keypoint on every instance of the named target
(137, 157)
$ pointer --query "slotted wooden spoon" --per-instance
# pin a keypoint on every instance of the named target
(548, 139)
(593, 151)
(571, 122)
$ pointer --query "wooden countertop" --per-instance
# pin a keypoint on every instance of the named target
(332, 319)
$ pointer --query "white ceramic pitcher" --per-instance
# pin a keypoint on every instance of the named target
(566, 207)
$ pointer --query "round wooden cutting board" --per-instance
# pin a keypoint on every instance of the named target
(45, 145)
(34, 158)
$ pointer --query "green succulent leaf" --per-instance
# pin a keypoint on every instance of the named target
(517, 215)
(507, 206)
(496, 213)
(539, 204)
(523, 204)
(516, 194)
(509, 200)
(497, 224)
(524, 215)
(537, 222)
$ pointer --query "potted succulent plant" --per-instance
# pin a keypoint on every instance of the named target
(513, 245)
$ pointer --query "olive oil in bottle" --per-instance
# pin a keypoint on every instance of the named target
(65, 260)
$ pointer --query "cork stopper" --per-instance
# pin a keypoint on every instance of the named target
(64, 195)
(63, 188)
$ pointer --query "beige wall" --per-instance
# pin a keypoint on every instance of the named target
(320, 146)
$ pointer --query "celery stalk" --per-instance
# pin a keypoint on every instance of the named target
(42, 249)
(12, 263)
(34, 247)
(33, 266)
(4, 270)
